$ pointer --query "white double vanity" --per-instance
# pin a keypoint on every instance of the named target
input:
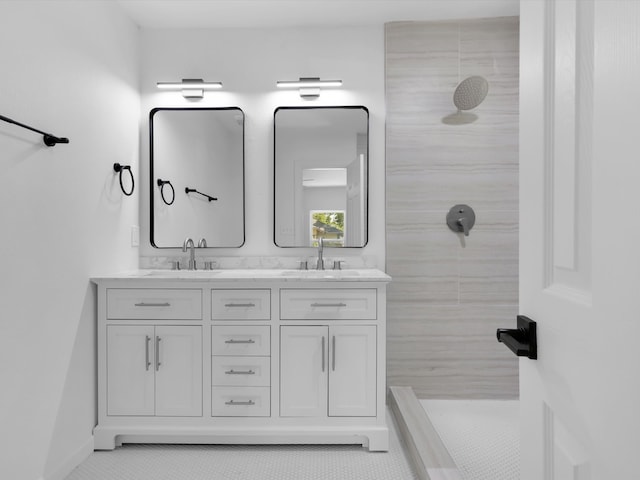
(242, 356)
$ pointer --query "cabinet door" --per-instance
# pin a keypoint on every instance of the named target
(303, 371)
(352, 371)
(178, 371)
(130, 370)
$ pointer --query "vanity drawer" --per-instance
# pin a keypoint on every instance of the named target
(328, 304)
(241, 402)
(241, 340)
(236, 304)
(154, 304)
(241, 371)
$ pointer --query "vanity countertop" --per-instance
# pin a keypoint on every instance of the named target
(347, 275)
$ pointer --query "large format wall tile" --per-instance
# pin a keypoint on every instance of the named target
(449, 294)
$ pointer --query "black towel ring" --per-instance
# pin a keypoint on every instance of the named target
(161, 184)
(118, 169)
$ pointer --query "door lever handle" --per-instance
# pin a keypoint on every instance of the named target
(522, 340)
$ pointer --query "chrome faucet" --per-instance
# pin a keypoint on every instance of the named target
(202, 243)
(320, 264)
(188, 243)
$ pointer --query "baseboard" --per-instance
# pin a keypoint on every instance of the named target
(66, 467)
(429, 456)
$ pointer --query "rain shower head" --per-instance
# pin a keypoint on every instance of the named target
(470, 93)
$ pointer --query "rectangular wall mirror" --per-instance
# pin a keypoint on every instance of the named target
(197, 176)
(321, 157)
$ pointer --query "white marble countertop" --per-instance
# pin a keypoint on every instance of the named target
(347, 275)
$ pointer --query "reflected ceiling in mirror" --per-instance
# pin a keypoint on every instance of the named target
(197, 176)
(321, 159)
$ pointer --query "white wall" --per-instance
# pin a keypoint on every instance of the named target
(249, 62)
(69, 68)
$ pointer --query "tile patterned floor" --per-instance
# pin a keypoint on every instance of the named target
(482, 436)
(238, 462)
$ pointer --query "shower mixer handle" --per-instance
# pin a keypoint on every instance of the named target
(464, 224)
(461, 219)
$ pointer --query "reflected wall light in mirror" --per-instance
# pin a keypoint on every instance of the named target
(190, 87)
(321, 176)
(309, 87)
(200, 151)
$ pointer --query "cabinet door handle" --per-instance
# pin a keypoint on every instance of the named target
(147, 362)
(158, 353)
(340, 304)
(248, 305)
(232, 341)
(239, 372)
(322, 346)
(333, 353)
(150, 304)
(234, 403)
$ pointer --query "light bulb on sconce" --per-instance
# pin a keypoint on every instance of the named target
(192, 88)
(309, 87)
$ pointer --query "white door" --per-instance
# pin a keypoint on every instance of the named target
(580, 238)
(130, 370)
(303, 371)
(178, 367)
(352, 371)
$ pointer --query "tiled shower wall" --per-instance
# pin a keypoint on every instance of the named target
(450, 293)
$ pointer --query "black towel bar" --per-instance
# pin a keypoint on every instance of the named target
(48, 139)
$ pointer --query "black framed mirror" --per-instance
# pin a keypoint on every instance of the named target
(197, 176)
(321, 163)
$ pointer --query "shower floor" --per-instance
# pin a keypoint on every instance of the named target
(482, 436)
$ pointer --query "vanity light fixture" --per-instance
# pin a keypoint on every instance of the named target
(309, 87)
(190, 87)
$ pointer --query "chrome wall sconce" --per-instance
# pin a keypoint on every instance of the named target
(309, 87)
(190, 87)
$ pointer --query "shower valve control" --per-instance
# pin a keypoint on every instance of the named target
(461, 219)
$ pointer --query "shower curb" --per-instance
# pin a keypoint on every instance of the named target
(429, 456)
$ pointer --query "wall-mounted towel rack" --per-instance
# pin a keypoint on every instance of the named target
(49, 140)
(188, 190)
(161, 183)
(119, 169)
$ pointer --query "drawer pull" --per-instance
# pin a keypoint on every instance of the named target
(147, 362)
(234, 403)
(158, 339)
(246, 305)
(341, 304)
(232, 341)
(333, 353)
(145, 304)
(239, 372)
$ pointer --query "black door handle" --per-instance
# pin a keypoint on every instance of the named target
(522, 340)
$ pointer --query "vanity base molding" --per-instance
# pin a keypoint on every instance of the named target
(376, 439)
(240, 359)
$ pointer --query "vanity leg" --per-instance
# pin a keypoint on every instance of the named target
(379, 441)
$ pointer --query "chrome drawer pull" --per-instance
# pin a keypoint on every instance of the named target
(333, 353)
(329, 304)
(232, 341)
(158, 339)
(145, 304)
(239, 372)
(322, 347)
(247, 305)
(234, 403)
(146, 352)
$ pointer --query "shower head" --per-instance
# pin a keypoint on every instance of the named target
(470, 92)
